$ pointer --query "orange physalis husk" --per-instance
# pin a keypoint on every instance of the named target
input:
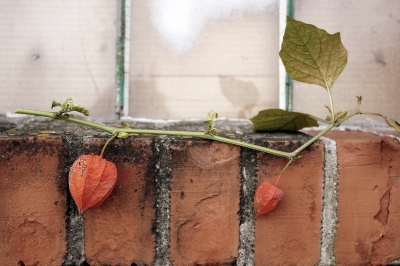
(91, 180)
(266, 198)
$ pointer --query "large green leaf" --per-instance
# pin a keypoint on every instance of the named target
(312, 55)
(281, 120)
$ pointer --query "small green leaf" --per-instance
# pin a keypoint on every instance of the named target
(67, 103)
(124, 125)
(312, 55)
(329, 109)
(328, 118)
(281, 120)
(80, 109)
(340, 115)
(69, 106)
(211, 123)
(212, 115)
(211, 130)
(54, 104)
(214, 131)
(394, 124)
(122, 135)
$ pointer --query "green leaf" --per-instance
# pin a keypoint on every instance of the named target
(312, 55)
(67, 103)
(281, 120)
(69, 106)
(212, 115)
(124, 125)
(210, 123)
(214, 132)
(340, 115)
(78, 108)
(54, 104)
(122, 135)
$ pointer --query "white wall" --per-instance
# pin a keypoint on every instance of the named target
(51, 50)
(225, 60)
(228, 64)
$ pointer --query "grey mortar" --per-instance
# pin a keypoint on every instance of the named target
(74, 222)
(162, 180)
(248, 174)
(330, 204)
(395, 262)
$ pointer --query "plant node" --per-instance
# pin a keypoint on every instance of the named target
(210, 121)
(69, 106)
(359, 99)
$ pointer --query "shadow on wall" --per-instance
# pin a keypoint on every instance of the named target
(242, 94)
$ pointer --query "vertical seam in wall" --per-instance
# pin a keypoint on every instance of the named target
(330, 203)
(248, 180)
(162, 181)
(281, 68)
(127, 52)
(75, 230)
(120, 57)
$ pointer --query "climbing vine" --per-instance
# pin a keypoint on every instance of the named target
(309, 54)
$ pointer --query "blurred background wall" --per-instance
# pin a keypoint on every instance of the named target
(188, 57)
(51, 50)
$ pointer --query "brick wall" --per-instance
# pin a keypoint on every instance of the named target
(185, 201)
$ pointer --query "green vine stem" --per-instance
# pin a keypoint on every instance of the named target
(320, 134)
(123, 132)
(116, 131)
(333, 123)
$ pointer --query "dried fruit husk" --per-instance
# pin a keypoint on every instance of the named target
(266, 198)
(91, 180)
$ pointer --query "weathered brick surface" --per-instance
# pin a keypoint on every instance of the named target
(205, 192)
(387, 248)
(368, 212)
(119, 231)
(290, 234)
(32, 201)
(204, 203)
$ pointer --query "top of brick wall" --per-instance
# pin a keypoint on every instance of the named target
(237, 128)
(40, 126)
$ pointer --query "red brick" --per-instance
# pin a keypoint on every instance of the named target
(119, 231)
(369, 208)
(290, 234)
(32, 201)
(204, 203)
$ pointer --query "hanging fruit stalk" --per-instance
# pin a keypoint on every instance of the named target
(267, 196)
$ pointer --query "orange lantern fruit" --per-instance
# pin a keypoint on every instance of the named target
(266, 198)
(91, 180)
